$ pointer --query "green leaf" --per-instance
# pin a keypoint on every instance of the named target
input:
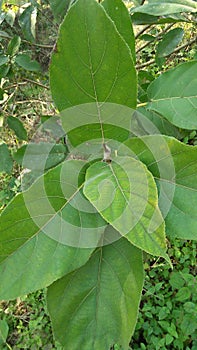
(39, 156)
(14, 45)
(27, 63)
(183, 294)
(92, 63)
(119, 14)
(176, 280)
(4, 70)
(143, 18)
(174, 95)
(60, 7)
(17, 126)
(3, 59)
(166, 7)
(96, 306)
(173, 165)
(169, 339)
(125, 195)
(169, 41)
(6, 160)
(27, 22)
(10, 17)
(46, 232)
(3, 331)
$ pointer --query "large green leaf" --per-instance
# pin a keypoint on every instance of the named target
(166, 7)
(174, 166)
(119, 14)
(60, 7)
(91, 63)
(125, 194)
(40, 156)
(174, 95)
(46, 232)
(169, 41)
(96, 306)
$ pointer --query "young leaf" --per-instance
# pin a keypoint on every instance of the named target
(174, 167)
(27, 22)
(14, 45)
(166, 7)
(119, 14)
(6, 161)
(174, 94)
(169, 41)
(125, 195)
(46, 232)
(17, 126)
(96, 306)
(92, 63)
(27, 63)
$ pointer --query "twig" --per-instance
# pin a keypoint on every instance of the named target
(145, 64)
(36, 83)
(28, 42)
(156, 37)
(143, 30)
(33, 101)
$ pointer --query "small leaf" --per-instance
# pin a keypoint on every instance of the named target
(14, 45)
(96, 306)
(125, 195)
(17, 126)
(169, 41)
(169, 339)
(183, 294)
(25, 62)
(4, 329)
(6, 161)
(174, 94)
(10, 17)
(4, 70)
(27, 21)
(3, 59)
(176, 280)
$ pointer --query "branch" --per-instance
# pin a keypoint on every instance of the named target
(36, 83)
(156, 37)
(145, 64)
(143, 30)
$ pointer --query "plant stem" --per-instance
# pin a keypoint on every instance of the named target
(143, 30)
(188, 43)
(156, 37)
